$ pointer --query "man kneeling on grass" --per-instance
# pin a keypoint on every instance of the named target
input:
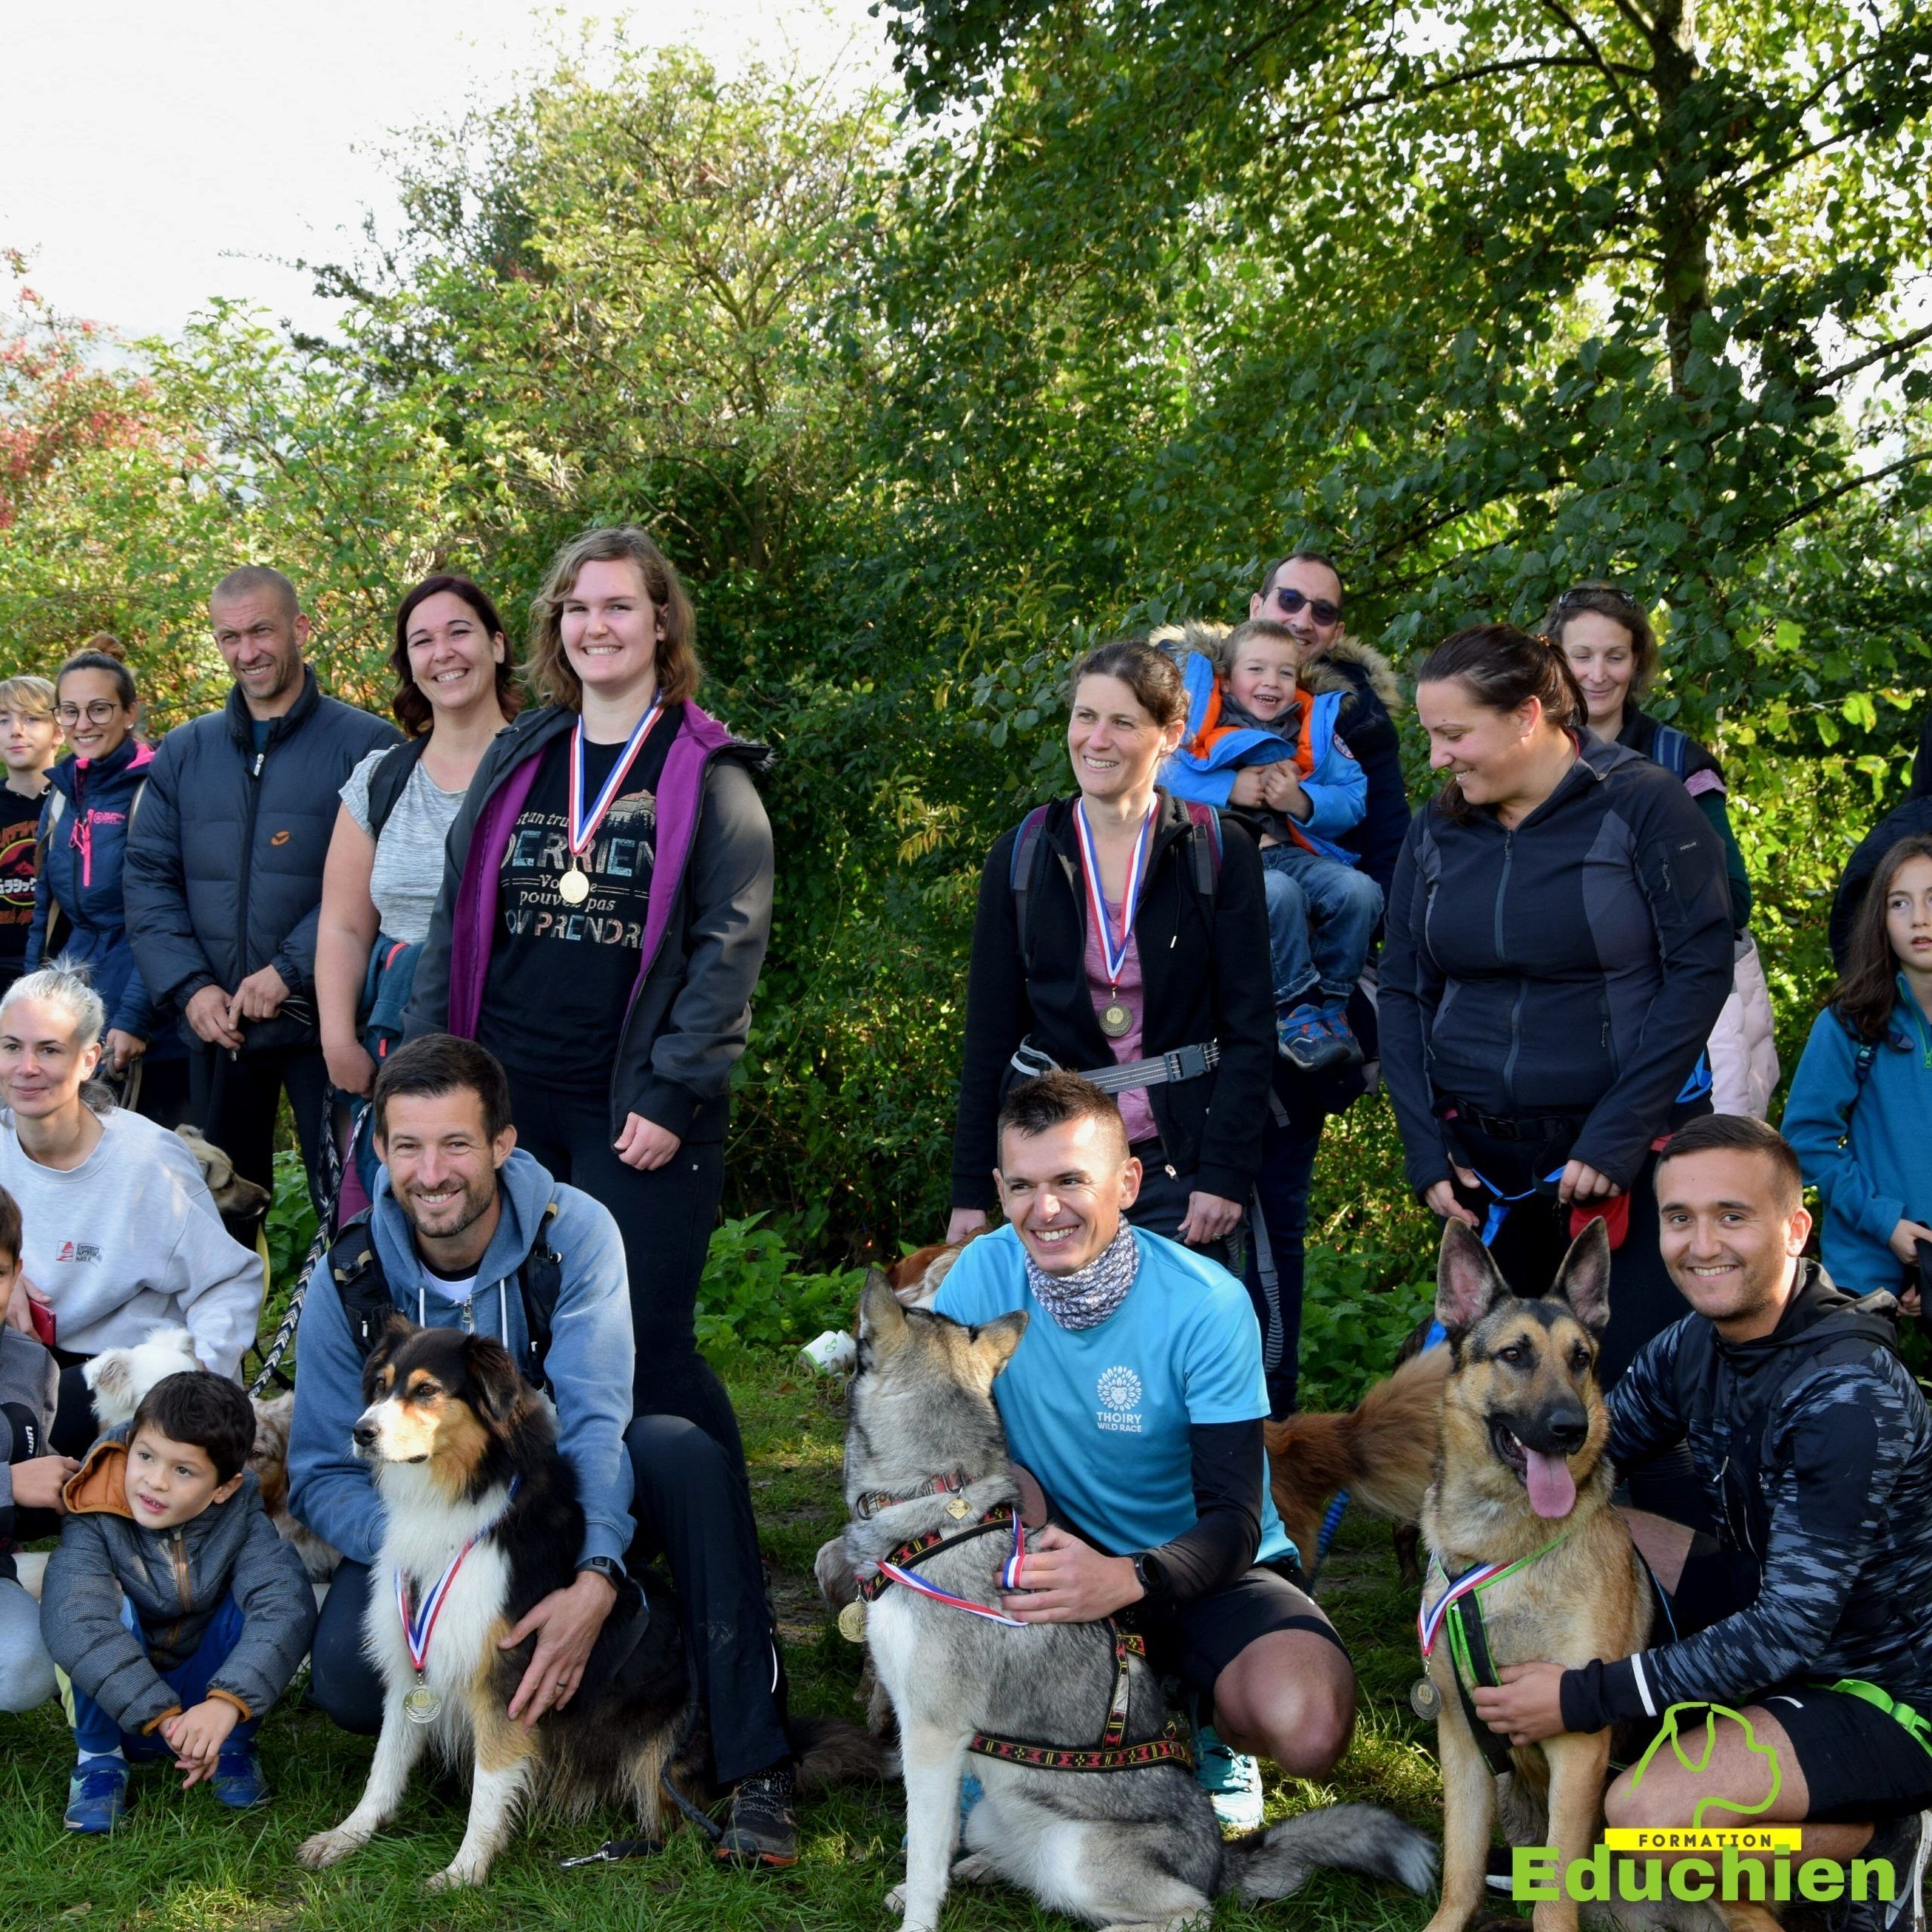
(172, 1603)
(1810, 1614)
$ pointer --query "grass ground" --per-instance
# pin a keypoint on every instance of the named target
(181, 1864)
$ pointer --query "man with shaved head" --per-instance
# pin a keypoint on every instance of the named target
(224, 871)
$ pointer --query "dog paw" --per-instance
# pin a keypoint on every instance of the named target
(328, 1848)
(454, 1877)
(895, 1899)
(975, 1868)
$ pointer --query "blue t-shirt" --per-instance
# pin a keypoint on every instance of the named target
(1101, 1415)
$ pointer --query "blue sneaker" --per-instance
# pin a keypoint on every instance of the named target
(1335, 1018)
(1231, 1779)
(1303, 1038)
(97, 1795)
(238, 1779)
(971, 1792)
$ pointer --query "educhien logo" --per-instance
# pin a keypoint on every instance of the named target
(1119, 1388)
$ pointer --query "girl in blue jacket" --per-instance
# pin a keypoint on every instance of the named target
(93, 795)
(1860, 1111)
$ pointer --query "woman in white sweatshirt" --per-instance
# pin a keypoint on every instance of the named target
(121, 1235)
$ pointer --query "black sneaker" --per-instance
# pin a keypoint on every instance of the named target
(1903, 1843)
(1499, 1870)
(763, 1828)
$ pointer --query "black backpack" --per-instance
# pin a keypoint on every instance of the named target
(356, 1268)
(393, 771)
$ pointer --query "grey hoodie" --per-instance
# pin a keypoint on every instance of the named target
(176, 1579)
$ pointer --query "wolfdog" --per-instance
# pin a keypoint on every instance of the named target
(1522, 1477)
(926, 1464)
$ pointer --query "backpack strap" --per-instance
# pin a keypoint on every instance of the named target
(1671, 749)
(1864, 1053)
(1204, 839)
(387, 782)
(1025, 864)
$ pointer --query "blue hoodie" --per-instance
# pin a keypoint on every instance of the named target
(588, 1365)
(1336, 789)
(1879, 1177)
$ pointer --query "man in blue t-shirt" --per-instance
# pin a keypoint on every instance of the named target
(1136, 1398)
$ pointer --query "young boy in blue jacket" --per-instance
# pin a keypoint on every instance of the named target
(1257, 747)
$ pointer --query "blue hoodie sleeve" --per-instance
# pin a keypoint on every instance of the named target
(1337, 789)
(328, 1489)
(1824, 1090)
(1185, 780)
(592, 1350)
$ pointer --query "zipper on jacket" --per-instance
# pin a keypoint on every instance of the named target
(254, 770)
(1516, 1004)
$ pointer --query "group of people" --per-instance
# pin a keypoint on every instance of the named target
(505, 960)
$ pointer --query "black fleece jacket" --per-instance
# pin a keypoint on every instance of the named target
(1206, 977)
(1572, 965)
(1814, 1449)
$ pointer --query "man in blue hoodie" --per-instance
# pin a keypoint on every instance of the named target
(466, 1231)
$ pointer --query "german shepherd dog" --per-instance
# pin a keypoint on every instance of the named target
(1126, 1848)
(465, 1454)
(1521, 1467)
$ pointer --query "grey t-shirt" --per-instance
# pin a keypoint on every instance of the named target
(407, 875)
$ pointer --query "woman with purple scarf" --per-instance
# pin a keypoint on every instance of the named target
(605, 908)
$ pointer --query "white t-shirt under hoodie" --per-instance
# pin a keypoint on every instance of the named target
(130, 1241)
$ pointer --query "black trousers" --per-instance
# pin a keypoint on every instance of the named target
(1288, 1150)
(693, 1515)
(1160, 1206)
(233, 1098)
(665, 1217)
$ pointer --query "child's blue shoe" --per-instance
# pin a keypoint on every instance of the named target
(97, 1795)
(1335, 1018)
(1302, 1037)
(238, 1779)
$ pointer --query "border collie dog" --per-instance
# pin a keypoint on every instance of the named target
(465, 1455)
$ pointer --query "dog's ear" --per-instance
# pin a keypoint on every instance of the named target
(1583, 1281)
(1468, 1282)
(882, 1319)
(110, 1375)
(396, 1332)
(993, 1343)
(495, 1388)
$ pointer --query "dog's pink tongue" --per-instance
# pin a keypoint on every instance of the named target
(1553, 1491)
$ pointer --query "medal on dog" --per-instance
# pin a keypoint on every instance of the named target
(422, 1705)
(1425, 1700)
(959, 1508)
(852, 1622)
(1116, 1020)
(573, 889)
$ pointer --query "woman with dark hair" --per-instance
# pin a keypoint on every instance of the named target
(1860, 1110)
(1558, 945)
(1606, 636)
(94, 796)
(605, 906)
(1119, 929)
(455, 691)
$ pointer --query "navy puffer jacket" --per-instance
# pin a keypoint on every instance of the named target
(224, 867)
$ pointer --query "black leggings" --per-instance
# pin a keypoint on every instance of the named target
(665, 1217)
(234, 1097)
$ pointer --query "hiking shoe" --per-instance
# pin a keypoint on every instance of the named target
(1303, 1039)
(238, 1779)
(97, 1795)
(1499, 1871)
(1903, 1843)
(763, 1828)
(1335, 1016)
(1231, 1779)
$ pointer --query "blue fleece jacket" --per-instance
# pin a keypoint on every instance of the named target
(1336, 789)
(588, 1365)
(1879, 1177)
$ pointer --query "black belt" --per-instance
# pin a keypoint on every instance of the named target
(1498, 1126)
(1179, 1063)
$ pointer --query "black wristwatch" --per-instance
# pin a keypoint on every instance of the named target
(609, 1567)
(1152, 1575)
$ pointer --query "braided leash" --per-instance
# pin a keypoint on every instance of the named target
(332, 1179)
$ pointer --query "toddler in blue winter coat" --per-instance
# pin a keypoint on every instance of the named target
(1860, 1110)
(1257, 746)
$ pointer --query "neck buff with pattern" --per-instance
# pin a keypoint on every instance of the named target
(1086, 1297)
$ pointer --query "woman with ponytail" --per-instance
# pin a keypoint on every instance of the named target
(1559, 948)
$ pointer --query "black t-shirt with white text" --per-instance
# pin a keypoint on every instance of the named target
(561, 976)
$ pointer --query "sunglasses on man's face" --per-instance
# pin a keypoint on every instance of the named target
(1319, 608)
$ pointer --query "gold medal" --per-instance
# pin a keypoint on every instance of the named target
(958, 1508)
(1116, 1021)
(422, 1705)
(852, 1621)
(1425, 1700)
(573, 889)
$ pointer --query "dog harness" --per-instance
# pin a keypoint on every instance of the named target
(1459, 1607)
(897, 1568)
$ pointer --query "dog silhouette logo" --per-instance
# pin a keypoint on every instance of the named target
(1681, 1739)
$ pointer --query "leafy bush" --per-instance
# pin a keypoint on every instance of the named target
(750, 1296)
(290, 1226)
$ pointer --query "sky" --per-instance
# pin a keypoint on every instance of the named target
(156, 155)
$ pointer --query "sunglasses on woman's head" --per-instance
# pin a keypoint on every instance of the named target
(1319, 608)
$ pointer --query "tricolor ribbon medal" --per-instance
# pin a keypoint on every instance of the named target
(420, 1705)
(1116, 1017)
(574, 887)
(1009, 1579)
(1429, 1622)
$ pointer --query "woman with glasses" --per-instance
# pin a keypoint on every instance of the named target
(1606, 636)
(94, 796)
